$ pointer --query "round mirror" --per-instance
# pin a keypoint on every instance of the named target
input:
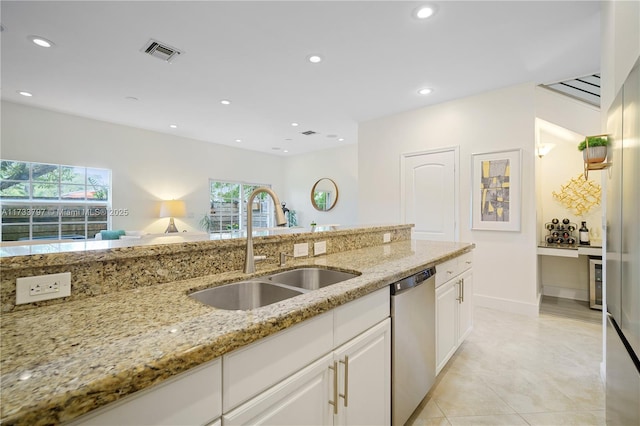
(324, 194)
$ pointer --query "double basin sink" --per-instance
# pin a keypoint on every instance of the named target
(263, 291)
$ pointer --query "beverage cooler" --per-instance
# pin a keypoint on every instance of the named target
(595, 282)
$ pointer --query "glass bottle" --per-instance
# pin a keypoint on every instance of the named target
(584, 234)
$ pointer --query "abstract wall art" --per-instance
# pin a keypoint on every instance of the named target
(495, 190)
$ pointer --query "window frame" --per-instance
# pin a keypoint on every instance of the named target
(72, 217)
(265, 203)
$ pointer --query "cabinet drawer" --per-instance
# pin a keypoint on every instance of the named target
(465, 262)
(252, 369)
(361, 314)
(452, 267)
(446, 270)
(193, 397)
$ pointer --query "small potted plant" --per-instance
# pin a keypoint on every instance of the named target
(594, 148)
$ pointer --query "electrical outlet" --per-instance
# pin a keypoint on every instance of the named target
(319, 248)
(43, 287)
(386, 238)
(301, 249)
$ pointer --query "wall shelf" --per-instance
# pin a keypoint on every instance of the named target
(594, 166)
(575, 251)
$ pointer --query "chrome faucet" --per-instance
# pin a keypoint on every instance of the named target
(249, 260)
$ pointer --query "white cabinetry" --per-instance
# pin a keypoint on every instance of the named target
(193, 397)
(298, 400)
(349, 384)
(334, 368)
(454, 306)
(364, 378)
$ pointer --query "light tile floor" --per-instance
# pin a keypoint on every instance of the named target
(519, 370)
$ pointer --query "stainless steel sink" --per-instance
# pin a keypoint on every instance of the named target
(310, 278)
(245, 295)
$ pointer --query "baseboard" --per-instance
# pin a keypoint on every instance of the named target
(566, 293)
(513, 306)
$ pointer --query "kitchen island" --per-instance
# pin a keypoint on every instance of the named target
(61, 361)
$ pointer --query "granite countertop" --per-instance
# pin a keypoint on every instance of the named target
(58, 362)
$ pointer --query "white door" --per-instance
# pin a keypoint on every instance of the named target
(430, 194)
(364, 385)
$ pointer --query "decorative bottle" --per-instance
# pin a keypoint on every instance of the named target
(584, 234)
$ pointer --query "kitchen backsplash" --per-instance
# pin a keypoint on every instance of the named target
(96, 272)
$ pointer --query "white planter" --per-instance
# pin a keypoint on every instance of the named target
(596, 154)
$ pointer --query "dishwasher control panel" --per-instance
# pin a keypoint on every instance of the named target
(412, 280)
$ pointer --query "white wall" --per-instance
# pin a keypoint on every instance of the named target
(505, 267)
(147, 166)
(620, 47)
(303, 171)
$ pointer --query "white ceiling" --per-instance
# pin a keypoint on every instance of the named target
(376, 57)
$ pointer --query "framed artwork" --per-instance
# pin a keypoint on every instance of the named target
(496, 190)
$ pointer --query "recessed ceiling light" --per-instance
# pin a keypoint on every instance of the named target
(173, 126)
(425, 91)
(238, 140)
(424, 12)
(23, 93)
(295, 124)
(225, 102)
(286, 150)
(340, 139)
(314, 59)
(41, 41)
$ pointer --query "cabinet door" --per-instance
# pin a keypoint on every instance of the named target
(302, 399)
(446, 322)
(465, 308)
(364, 379)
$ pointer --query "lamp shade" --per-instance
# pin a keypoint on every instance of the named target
(173, 208)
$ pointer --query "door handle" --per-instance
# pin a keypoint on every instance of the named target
(345, 395)
(334, 367)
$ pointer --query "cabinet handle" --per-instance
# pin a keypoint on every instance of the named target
(335, 387)
(462, 291)
(346, 381)
(459, 287)
(468, 262)
(449, 272)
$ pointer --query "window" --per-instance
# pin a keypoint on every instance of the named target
(228, 207)
(52, 201)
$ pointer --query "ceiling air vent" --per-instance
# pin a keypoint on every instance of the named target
(309, 133)
(160, 50)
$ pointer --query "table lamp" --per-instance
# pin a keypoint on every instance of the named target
(171, 209)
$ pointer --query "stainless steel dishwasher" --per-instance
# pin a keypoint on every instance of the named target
(413, 340)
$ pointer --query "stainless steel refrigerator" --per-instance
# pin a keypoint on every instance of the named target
(623, 256)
